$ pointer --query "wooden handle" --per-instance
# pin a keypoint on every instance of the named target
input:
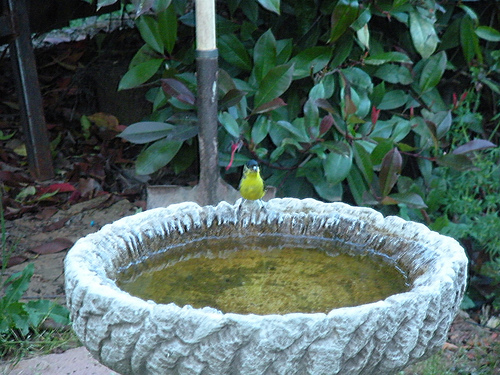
(205, 25)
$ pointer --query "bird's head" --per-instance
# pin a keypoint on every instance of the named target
(252, 165)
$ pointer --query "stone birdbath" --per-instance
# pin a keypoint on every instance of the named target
(135, 336)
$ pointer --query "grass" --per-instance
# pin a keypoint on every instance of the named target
(478, 360)
(18, 341)
(15, 347)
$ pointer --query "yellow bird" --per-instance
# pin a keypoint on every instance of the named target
(252, 184)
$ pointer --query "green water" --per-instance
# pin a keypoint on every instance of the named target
(263, 280)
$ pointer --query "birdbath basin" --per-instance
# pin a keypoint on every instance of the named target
(132, 335)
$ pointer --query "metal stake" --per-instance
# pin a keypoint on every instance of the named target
(28, 90)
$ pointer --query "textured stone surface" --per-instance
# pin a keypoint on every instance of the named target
(133, 336)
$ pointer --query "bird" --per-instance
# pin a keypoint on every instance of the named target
(251, 184)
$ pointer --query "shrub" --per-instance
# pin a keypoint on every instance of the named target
(380, 103)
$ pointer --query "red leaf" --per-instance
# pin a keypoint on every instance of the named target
(475, 145)
(375, 114)
(270, 106)
(390, 171)
(56, 225)
(178, 90)
(54, 246)
(15, 260)
(326, 124)
(60, 188)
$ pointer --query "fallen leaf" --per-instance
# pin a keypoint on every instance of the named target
(21, 150)
(54, 246)
(15, 260)
(449, 346)
(46, 213)
(110, 200)
(13, 178)
(55, 225)
(105, 120)
(89, 187)
(59, 187)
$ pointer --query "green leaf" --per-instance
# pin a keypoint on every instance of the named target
(385, 57)
(451, 37)
(357, 185)
(230, 124)
(488, 33)
(443, 123)
(150, 32)
(432, 72)
(234, 52)
(401, 129)
(341, 50)
(381, 150)
(6, 136)
(275, 83)
(363, 162)
(337, 165)
(362, 20)
(412, 200)
(284, 49)
(38, 311)
(17, 285)
(17, 317)
(393, 73)
(310, 61)
(232, 98)
(318, 92)
(393, 99)
(296, 129)
(182, 133)
(327, 190)
(142, 55)
(156, 156)
(469, 41)
(344, 14)
(271, 5)
(251, 10)
(363, 35)
(139, 74)
(472, 15)
(278, 151)
(102, 3)
(459, 162)
(311, 118)
(423, 34)
(160, 5)
(60, 314)
(390, 171)
(260, 129)
(167, 26)
(264, 55)
(146, 131)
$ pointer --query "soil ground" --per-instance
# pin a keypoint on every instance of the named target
(28, 232)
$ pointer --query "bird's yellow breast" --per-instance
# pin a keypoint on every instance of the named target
(252, 186)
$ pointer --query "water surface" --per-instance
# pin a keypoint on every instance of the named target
(263, 278)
